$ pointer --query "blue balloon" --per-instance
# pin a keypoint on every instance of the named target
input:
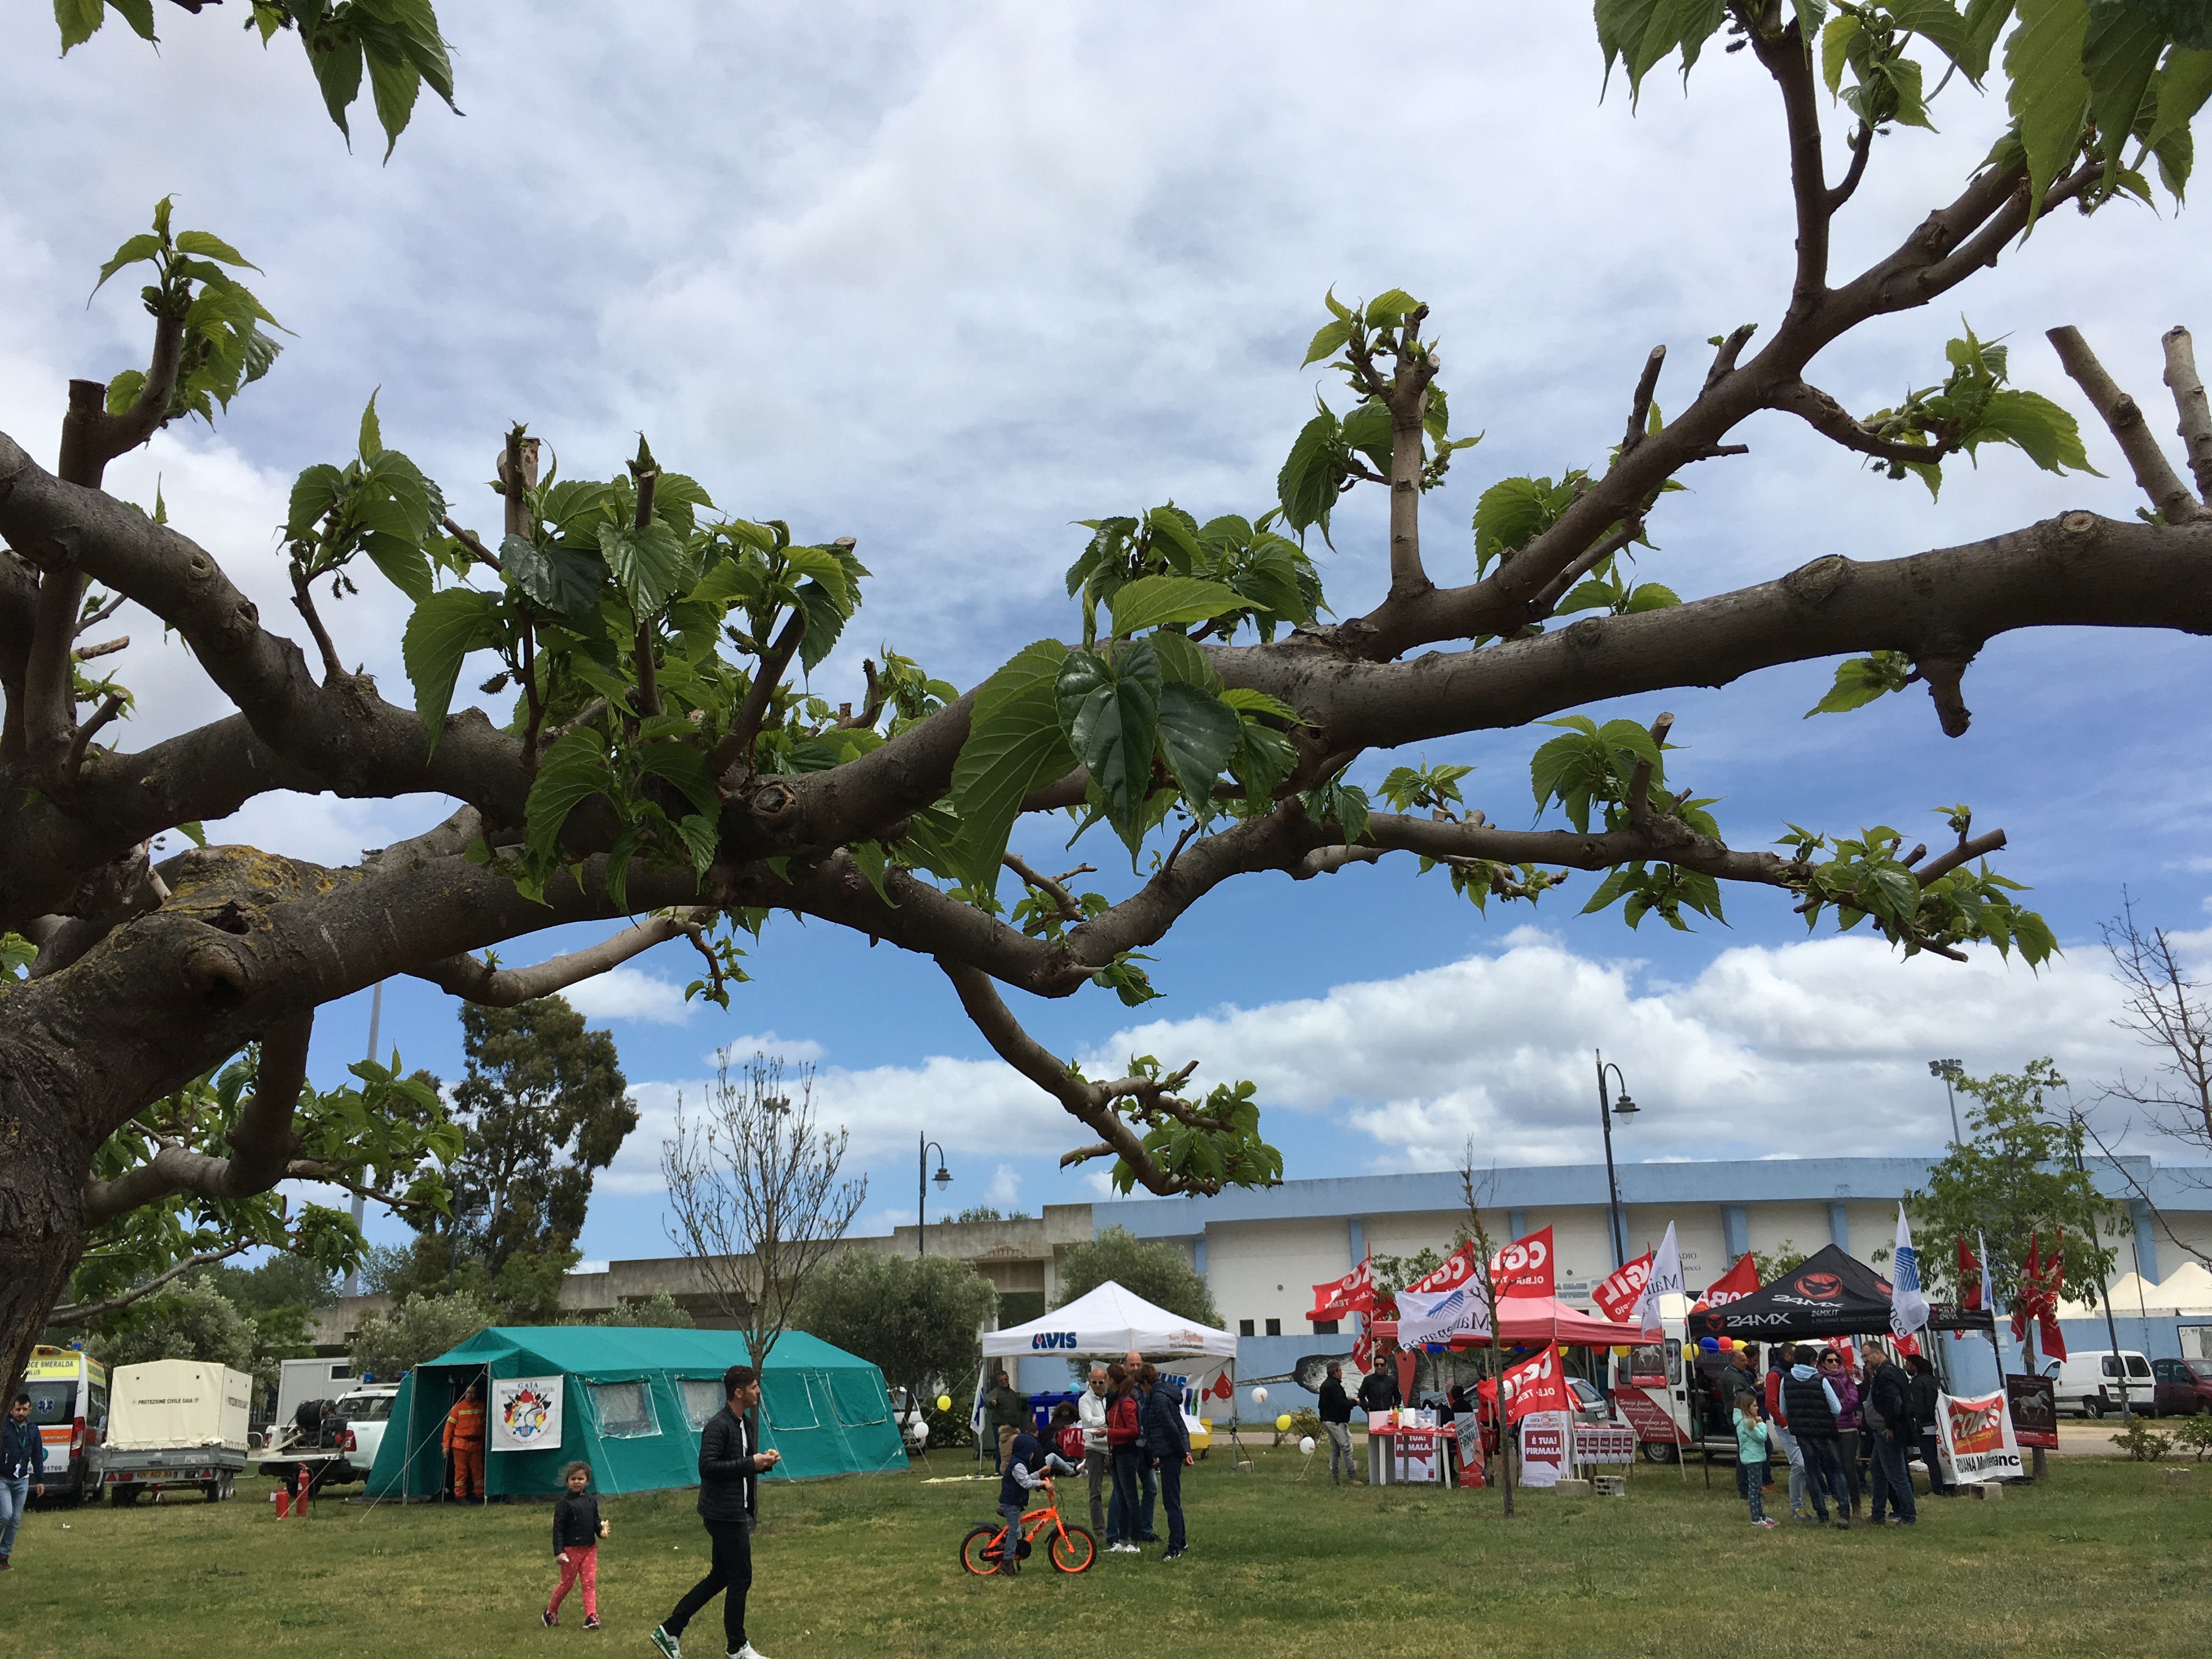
(1710, 1344)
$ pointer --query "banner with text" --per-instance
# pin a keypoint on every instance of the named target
(1975, 1437)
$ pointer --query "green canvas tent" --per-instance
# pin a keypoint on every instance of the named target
(633, 1401)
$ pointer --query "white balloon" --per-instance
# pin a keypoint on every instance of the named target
(1259, 1396)
(1305, 1445)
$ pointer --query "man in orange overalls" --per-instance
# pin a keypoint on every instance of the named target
(464, 1443)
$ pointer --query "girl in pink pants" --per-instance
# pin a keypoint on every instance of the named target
(577, 1530)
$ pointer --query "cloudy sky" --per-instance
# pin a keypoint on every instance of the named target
(946, 278)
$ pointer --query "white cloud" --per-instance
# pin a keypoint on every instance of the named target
(1809, 1049)
(631, 993)
(793, 1051)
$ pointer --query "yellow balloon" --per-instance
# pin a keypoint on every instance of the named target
(1563, 1350)
(945, 1402)
(1620, 1351)
(1283, 1424)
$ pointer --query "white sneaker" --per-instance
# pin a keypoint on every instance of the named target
(748, 1651)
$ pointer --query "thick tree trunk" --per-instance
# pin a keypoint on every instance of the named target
(45, 1153)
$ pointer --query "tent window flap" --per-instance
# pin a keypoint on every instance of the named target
(785, 1401)
(856, 1400)
(702, 1398)
(624, 1409)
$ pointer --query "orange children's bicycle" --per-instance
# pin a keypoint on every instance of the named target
(1070, 1549)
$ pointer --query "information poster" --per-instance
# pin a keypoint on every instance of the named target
(526, 1413)
(1543, 1448)
(2034, 1404)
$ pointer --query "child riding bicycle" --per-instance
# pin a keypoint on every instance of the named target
(1026, 1455)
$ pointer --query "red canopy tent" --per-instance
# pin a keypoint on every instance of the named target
(1531, 1321)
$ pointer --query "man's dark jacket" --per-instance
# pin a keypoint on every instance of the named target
(1890, 1390)
(1009, 1407)
(22, 1451)
(1807, 1402)
(1378, 1392)
(1335, 1404)
(729, 1485)
(1924, 1390)
(1165, 1437)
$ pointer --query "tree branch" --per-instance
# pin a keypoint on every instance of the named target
(260, 1142)
(83, 1312)
(464, 976)
(737, 748)
(1639, 407)
(1055, 889)
(2191, 403)
(1833, 422)
(2120, 413)
(1964, 852)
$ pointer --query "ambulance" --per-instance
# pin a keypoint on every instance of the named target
(68, 1402)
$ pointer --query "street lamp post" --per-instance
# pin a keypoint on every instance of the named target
(944, 1179)
(1607, 1109)
(1949, 1071)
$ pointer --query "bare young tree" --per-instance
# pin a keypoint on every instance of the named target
(1473, 1192)
(2166, 1010)
(754, 1188)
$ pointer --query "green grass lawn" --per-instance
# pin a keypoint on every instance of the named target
(2102, 1560)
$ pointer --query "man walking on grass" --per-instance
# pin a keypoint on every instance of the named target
(22, 1469)
(1886, 1406)
(730, 1468)
(1097, 1455)
(1008, 1411)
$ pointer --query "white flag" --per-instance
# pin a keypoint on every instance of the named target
(1440, 1315)
(1908, 1308)
(1666, 1280)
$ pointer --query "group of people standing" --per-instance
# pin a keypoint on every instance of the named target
(1824, 1415)
(1125, 1432)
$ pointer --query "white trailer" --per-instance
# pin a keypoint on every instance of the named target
(175, 1423)
(298, 1381)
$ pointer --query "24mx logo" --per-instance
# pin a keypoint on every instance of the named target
(1053, 1340)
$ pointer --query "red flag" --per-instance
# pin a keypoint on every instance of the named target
(1363, 1352)
(2052, 1341)
(1524, 1267)
(1536, 1385)
(1406, 1362)
(1907, 1344)
(1616, 1295)
(1353, 1293)
(2029, 1293)
(1450, 1275)
(1970, 1279)
(1737, 1283)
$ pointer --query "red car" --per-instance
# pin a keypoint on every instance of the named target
(2182, 1386)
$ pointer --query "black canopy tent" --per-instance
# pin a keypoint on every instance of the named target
(1830, 1294)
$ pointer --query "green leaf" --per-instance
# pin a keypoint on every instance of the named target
(212, 247)
(2049, 96)
(1861, 680)
(336, 60)
(1649, 596)
(1181, 659)
(445, 629)
(687, 768)
(1307, 485)
(700, 838)
(1367, 429)
(2118, 54)
(1111, 713)
(144, 245)
(123, 390)
(554, 577)
(80, 21)
(192, 832)
(2052, 437)
(648, 565)
(825, 621)
(1174, 526)
(1384, 310)
(407, 567)
(394, 84)
(1169, 602)
(314, 492)
(2182, 85)
(1198, 734)
(372, 432)
(1246, 701)
(570, 773)
(1014, 743)
(1328, 342)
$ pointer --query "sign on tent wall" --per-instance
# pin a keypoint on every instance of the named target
(526, 1413)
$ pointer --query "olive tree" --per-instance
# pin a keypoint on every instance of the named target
(652, 753)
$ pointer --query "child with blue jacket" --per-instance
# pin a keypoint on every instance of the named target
(1028, 1466)
(1751, 1456)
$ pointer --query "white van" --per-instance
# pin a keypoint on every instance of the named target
(2092, 1383)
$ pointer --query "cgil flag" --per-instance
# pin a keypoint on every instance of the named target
(1617, 1293)
(1665, 1280)
(1908, 1308)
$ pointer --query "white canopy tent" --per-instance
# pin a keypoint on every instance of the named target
(1107, 1323)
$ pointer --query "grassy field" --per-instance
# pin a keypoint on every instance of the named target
(2103, 1559)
